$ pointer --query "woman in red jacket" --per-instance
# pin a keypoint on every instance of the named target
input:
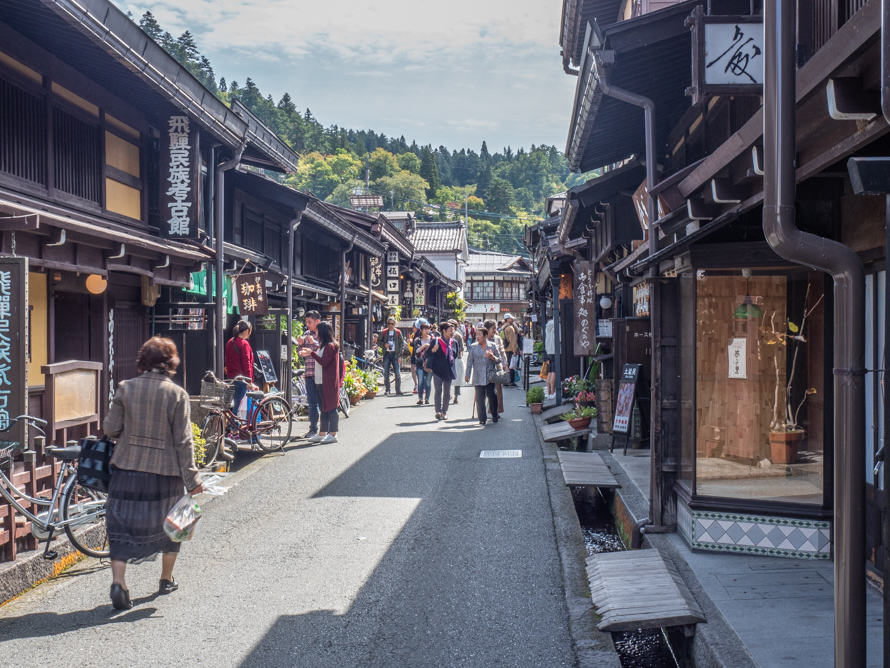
(328, 367)
(239, 360)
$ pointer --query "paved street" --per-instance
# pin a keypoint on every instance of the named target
(397, 546)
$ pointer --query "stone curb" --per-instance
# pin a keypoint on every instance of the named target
(715, 644)
(593, 648)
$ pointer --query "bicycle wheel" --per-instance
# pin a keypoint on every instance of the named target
(344, 403)
(273, 424)
(213, 430)
(85, 508)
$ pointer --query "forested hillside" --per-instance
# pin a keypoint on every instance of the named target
(503, 191)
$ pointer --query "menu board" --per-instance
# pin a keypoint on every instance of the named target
(584, 291)
(266, 366)
(627, 388)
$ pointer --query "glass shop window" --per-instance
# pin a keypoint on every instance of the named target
(483, 289)
(759, 404)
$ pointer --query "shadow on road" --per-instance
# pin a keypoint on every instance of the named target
(45, 624)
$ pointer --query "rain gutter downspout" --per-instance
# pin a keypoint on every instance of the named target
(294, 224)
(219, 205)
(343, 253)
(849, 317)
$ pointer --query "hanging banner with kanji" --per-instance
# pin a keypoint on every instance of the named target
(180, 165)
(584, 290)
(250, 290)
(376, 273)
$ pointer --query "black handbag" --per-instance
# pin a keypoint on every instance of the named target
(499, 377)
(94, 463)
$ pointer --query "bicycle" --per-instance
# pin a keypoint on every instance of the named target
(266, 426)
(78, 507)
(301, 400)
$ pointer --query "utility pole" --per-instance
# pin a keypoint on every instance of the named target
(466, 217)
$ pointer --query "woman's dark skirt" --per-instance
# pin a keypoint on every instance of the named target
(137, 505)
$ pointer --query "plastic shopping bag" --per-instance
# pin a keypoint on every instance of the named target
(514, 362)
(182, 521)
(242, 409)
(545, 369)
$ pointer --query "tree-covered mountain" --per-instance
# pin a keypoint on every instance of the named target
(503, 191)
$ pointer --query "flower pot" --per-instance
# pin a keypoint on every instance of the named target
(354, 398)
(370, 395)
(784, 445)
(536, 408)
(580, 423)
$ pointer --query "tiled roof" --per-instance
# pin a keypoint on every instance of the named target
(438, 237)
(489, 263)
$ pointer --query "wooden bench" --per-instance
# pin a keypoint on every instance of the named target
(551, 415)
(562, 431)
(639, 589)
(586, 468)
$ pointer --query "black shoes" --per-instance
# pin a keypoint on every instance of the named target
(167, 586)
(120, 598)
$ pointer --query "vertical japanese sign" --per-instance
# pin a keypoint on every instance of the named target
(251, 294)
(420, 292)
(13, 341)
(393, 295)
(179, 179)
(738, 358)
(584, 291)
(376, 273)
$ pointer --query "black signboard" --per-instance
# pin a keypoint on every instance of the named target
(266, 366)
(180, 169)
(13, 342)
(250, 291)
(376, 273)
(627, 388)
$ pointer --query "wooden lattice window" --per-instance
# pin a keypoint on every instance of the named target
(22, 133)
(76, 156)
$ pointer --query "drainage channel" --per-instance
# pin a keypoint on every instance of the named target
(643, 648)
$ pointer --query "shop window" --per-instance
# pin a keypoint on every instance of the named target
(753, 427)
(483, 290)
(253, 230)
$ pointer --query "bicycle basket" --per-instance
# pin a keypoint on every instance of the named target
(219, 394)
(349, 351)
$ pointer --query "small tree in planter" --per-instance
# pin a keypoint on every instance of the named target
(535, 398)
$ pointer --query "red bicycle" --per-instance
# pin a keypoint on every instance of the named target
(267, 425)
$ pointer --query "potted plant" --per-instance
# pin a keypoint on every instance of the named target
(535, 398)
(352, 381)
(785, 431)
(370, 380)
(579, 418)
(585, 399)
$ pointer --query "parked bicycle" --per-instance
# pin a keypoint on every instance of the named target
(267, 425)
(301, 401)
(80, 512)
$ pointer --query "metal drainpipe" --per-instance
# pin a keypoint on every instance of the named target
(885, 523)
(370, 333)
(658, 459)
(343, 289)
(294, 224)
(849, 317)
(220, 198)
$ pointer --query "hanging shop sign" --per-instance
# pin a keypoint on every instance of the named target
(376, 273)
(13, 342)
(419, 292)
(627, 388)
(250, 291)
(393, 284)
(180, 166)
(585, 308)
(483, 308)
(727, 55)
(738, 355)
(641, 300)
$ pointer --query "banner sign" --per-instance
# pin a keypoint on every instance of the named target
(627, 388)
(393, 287)
(13, 342)
(584, 290)
(180, 169)
(251, 294)
(419, 293)
(376, 273)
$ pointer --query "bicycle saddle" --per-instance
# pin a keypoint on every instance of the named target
(67, 454)
(299, 372)
(256, 396)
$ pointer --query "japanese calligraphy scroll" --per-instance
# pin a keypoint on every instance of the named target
(583, 287)
(250, 291)
(180, 168)
(13, 338)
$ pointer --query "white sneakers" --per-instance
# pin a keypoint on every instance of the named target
(329, 438)
(315, 439)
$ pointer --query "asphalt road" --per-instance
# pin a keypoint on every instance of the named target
(397, 546)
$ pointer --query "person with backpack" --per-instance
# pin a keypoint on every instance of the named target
(440, 358)
(393, 344)
(329, 366)
(424, 375)
(511, 345)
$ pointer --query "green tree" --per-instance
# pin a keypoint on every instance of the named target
(383, 163)
(429, 171)
(409, 162)
(484, 182)
(404, 186)
(150, 25)
(340, 195)
(314, 175)
(500, 196)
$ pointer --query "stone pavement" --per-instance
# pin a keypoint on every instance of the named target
(781, 609)
(397, 546)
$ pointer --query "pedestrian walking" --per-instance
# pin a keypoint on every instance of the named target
(153, 463)
(491, 330)
(393, 344)
(239, 360)
(511, 345)
(441, 362)
(550, 351)
(309, 340)
(329, 368)
(482, 358)
(424, 375)
(459, 347)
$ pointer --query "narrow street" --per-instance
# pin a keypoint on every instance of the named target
(397, 546)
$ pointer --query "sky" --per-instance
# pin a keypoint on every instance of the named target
(441, 72)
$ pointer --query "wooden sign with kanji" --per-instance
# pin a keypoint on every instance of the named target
(251, 294)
